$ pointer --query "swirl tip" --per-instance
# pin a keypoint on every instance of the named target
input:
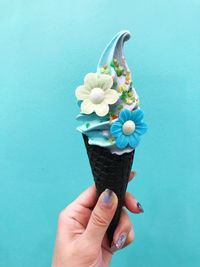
(125, 32)
(114, 50)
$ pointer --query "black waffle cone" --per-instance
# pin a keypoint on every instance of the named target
(110, 171)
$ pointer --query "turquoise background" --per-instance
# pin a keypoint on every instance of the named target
(46, 48)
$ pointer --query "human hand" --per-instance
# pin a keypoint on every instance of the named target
(81, 237)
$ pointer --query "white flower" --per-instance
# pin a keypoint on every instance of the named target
(96, 94)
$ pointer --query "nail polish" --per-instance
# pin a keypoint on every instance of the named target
(140, 207)
(119, 243)
(107, 196)
(134, 173)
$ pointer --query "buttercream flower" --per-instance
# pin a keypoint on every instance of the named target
(96, 94)
(128, 128)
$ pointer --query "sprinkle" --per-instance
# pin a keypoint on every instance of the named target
(104, 69)
(130, 86)
(123, 95)
(87, 125)
(112, 64)
(116, 63)
(120, 88)
(128, 77)
(111, 140)
(119, 70)
(120, 107)
(129, 101)
(130, 93)
(114, 117)
(127, 82)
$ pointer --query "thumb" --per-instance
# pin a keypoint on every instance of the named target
(101, 217)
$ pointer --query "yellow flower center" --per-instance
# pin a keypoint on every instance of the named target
(128, 127)
(97, 95)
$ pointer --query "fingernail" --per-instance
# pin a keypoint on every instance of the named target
(134, 173)
(140, 207)
(119, 243)
(107, 196)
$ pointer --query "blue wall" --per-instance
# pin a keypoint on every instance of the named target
(46, 48)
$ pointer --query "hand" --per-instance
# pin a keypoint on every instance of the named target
(81, 238)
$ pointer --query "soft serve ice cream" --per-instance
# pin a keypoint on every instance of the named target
(110, 114)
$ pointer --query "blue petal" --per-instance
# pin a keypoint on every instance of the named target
(134, 140)
(116, 128)
(137, 115)
(141, 128)
(122, 141)
(125, 115)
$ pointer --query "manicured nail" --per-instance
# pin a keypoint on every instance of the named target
(140, 207)
(119, 243)
(107, 196)
(134, 173)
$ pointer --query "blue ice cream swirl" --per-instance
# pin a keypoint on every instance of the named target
(98, 129)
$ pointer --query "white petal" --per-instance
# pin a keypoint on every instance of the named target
(105, 81)
(101, 109)
(87, 106)
(91, 80)
(111, 96)
(82, 92)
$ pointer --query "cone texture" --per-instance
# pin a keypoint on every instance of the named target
(110, 171)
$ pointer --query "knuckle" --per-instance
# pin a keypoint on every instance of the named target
(98, 220)
(62, 216)
(65, 212)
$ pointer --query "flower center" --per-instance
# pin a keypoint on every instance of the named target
(97, 95)
(128, 127)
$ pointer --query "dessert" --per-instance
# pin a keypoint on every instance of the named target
(111, 121)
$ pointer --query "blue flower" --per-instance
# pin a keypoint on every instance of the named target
(128, 128)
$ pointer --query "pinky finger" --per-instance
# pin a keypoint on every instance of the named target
(130, 238)
(125, 242)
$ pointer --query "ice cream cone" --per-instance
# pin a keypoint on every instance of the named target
(111, 122)
(110, 171)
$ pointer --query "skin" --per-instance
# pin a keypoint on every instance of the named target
(81, 236)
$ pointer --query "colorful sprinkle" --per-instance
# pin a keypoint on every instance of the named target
(129, 101)
(105, 69)
(87, 125)
(122, 88)
(130, 93)
(118, 69)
